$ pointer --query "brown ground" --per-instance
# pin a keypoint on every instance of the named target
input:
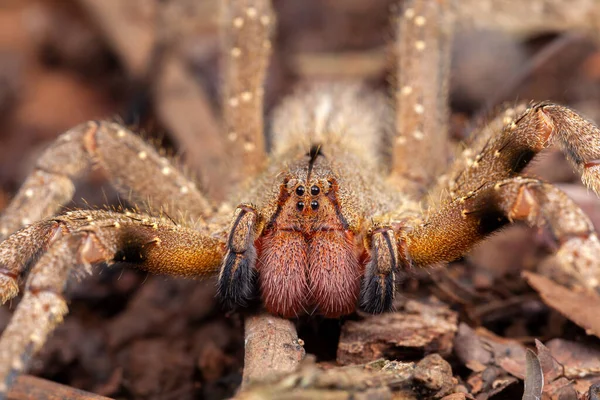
(129, 335)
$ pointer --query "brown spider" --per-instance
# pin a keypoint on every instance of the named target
(326, 221)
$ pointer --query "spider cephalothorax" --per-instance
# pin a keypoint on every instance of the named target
(305, 236)
(351, 191)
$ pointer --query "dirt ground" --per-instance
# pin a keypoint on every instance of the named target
(130, 335)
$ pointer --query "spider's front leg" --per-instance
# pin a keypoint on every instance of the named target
(379, 283)
(236, 279)
(85, 238)
(449, 233)
(483, 192)
(501, 155)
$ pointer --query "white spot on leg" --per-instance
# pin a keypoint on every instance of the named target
(35, 338)
(17, 364)
(409, 13)
(418, 135)
(401, 140)
(142, 155)
(25, 221)
(29, 193)
(420, 45)
(166, 171)
(184, 190)
(249, 146)
(246, 96)
(121, 133)
(420, 20)
(251, 12)
(234, 102)
(236, 52)
(419, 109)
(238, 22)
(232, 136)
(406, 90)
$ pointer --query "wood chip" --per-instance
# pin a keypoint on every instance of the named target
(580, 307)
(417, 329)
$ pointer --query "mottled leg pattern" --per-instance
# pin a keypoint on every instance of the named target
(420, 146)
(248, 25)
(85, 238)
(454, 230)
(41, 309)
(135, 168)
(501, 155)
(378, 287)
(236, 279)
(153, 244)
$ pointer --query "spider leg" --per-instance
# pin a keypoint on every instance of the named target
(135, 168)
(156, 245)
(424, 37)
(247, 32)
(236, 279)
(449, 233)
(503, 153)
(85, 238)
(378, 287)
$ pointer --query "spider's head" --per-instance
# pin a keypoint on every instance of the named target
(306, 205)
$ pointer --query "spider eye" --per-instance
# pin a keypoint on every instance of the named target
(314, 205)
(314, 190)
(300, 191)
(300, 205)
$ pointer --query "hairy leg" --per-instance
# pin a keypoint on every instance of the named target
(134, 167)
(85, 238)
(452, 231)
(154, 244)
(500, 153)
(247, 30)
(423, 44)
(378, 287)
(236, 279)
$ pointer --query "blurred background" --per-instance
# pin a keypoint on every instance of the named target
(154, 65)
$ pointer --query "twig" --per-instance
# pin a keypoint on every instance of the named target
(272, 347)
(29, 387)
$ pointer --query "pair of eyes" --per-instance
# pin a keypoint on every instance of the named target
(314, 190)
(314, 204)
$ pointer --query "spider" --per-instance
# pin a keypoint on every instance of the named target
(354, 190)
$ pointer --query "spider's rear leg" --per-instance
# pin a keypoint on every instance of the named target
(134, 167)
(420, 150)
(378, 287)
(248, 25)
(85, 238)
(236, 279)
(451, 232)
(504, 154)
